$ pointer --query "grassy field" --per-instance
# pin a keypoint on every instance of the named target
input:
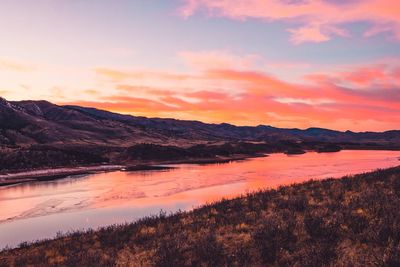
(352, 221)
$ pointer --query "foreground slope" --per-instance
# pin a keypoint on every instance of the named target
(353, 221)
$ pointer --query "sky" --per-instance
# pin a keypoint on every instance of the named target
(286, 63)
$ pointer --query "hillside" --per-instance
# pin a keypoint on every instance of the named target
(351, 221)
(39, 134)
(41, 122)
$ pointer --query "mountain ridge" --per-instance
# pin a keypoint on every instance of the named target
(39, 134)
(41, 122)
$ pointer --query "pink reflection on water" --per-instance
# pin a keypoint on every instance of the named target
(194, 184)
(39, 210)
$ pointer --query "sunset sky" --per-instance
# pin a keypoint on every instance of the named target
(286, 63)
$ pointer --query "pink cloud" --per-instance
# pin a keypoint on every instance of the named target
(315, 33)
(307, 33)
(319, 20)
(218, 59)
(359, 97)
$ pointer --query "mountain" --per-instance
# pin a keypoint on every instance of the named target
(24, 123)
(39, 134)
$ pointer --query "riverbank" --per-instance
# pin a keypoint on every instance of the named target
(139, 165)
(46, 162)
(52, 174)
(352, 221)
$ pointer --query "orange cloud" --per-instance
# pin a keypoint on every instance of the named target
(319, 20)
(14, 66)
(119, 75)
(350, 97)
(92, 92)
(123, 104)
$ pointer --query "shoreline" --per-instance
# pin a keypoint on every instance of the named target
(52, 174)
(292, 218)
(47, 174)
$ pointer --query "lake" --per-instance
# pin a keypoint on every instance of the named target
(41, 209)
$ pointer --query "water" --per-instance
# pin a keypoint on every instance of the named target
(40, 210)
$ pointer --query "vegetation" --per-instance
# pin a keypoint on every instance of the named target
(158, 152)
(352, 221)
(42, 156)
(49, 156)
(39, 134)
(329, 148)
(39, 156)
(295, 151)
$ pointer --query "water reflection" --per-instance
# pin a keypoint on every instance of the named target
(38, 210)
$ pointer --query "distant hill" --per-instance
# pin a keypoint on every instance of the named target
(24, 123)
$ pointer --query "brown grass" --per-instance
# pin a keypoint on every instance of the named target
(352, 221)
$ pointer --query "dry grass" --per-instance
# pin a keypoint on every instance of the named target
(353, 221)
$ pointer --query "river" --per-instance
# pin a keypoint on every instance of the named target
(41, 209)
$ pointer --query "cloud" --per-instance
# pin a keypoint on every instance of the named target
(122, 75)
(4, 92)
(315, 33)
(355, 97)
(125, 104)
(14, 65)
(215, 89)
(117, 75)
(308, 33)
(317, 21)
(217, 59)
(92, 92)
